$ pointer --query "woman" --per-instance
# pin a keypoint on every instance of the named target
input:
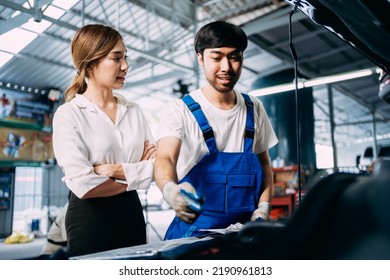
(104, 146)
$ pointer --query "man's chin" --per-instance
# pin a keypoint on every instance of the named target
(225, 89)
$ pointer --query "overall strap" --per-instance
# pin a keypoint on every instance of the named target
(250, 125)
(200, 117)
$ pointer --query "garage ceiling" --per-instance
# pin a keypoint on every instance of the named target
(159, 37)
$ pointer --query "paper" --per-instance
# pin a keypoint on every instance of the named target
(231, 228)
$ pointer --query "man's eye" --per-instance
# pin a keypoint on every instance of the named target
(236, 58)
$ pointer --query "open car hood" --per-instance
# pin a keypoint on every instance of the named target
(364, 24)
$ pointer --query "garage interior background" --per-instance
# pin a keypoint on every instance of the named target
(36, 68)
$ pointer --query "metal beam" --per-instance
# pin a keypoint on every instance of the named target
(31, 12)
(11, 23)
(273, 20)
(147, 55)
(152, 79)
(40, 59)
(167, 11)
(332, 126)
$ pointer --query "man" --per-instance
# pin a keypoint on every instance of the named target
(214, 143)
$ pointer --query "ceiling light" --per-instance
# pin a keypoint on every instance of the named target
(339, 78)
(313, 82)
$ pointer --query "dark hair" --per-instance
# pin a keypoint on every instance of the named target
(220, 34)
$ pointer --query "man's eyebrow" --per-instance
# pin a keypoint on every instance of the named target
(219, 52)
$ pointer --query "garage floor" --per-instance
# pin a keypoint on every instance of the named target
(157, 223)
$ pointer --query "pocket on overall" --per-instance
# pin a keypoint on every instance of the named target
(241, 193)
(214, 191)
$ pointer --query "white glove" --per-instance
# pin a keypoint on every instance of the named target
(262, 212)
(171, 193)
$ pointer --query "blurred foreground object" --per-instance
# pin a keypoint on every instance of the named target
(384, 86)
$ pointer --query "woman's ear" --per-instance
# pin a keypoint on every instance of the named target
(89, 71)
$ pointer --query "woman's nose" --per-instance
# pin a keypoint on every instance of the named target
(125, 65)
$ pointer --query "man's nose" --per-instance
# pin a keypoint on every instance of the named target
(225, 64)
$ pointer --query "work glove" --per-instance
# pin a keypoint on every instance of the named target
(174, 194)
(262, 212)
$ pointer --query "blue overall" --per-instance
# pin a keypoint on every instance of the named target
(230, 182)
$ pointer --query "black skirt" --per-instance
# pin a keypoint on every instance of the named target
(100, 224)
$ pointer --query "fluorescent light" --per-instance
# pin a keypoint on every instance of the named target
(338, 78)
(313, 82)
(15, 40)
(274, 89)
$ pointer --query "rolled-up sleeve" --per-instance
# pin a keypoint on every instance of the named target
(138, 175)
(72, 155)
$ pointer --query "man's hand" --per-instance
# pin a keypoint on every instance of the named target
(262, 212)
(171, 193)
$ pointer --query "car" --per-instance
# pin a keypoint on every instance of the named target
(362, 24)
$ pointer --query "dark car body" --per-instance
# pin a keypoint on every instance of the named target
(364, 24)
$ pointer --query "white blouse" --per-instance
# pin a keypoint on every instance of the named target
(84, 136)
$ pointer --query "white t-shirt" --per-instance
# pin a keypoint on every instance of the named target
(228, 127)
(84, 136)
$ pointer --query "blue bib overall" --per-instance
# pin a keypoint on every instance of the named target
(230, 182)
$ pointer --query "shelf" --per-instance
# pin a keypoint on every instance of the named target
(287, 201)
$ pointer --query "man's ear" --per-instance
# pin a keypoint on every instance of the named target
(200, 58)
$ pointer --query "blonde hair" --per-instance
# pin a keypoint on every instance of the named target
(90, 43)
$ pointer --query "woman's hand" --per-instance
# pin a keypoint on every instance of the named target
(150, 151)
(116, 171)
(110, 170)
